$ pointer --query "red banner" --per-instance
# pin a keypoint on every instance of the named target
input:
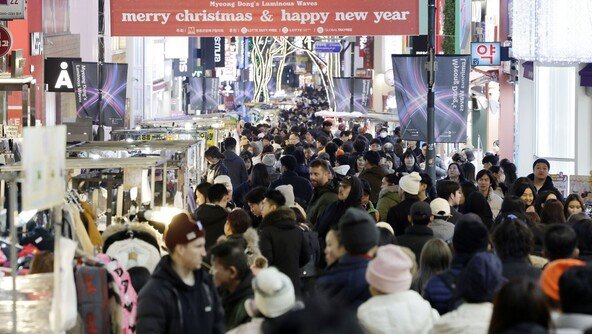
(210, 18)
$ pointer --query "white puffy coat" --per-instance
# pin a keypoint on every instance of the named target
(403, 312)
(467, 318)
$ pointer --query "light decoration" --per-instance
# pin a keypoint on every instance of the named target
(551, 31)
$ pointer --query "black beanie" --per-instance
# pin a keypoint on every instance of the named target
(358, 231)
(470, 235)
(372, 157)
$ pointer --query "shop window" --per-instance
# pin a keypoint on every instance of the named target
(555, 116)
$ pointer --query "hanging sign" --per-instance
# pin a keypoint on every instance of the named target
(5, 41)
(206, 18)
(327, 47)
(485, 54)
(44, 162)
(59, 74)
(12, 9)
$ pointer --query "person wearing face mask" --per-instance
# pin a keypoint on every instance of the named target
(500, 177)
(384, 137)
(409, 165)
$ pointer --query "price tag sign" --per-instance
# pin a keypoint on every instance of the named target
(12, 9)
(485, 54)
(11, 131)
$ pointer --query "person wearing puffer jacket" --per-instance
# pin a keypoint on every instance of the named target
(388, 196)
(477, 285)
(394, 308)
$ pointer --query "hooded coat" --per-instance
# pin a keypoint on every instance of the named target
(167, 305)
(322, 197)
(234, 303)
(548, 186)
(335, 210)
(212, 217)
(387, 198)
(215, 171)
(374, 176)
(236, 168)
(283, 243)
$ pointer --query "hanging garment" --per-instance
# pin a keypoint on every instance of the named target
(91, 288)
(90, 223)
(125, 298)
(64, 310)
(83, 239)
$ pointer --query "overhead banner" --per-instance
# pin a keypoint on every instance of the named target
(206, 18)
(211, 95)
(86, 83)
(451, 91)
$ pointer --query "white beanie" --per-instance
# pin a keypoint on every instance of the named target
(410, 183)
(274, 293)
(225, 180)
(288, 191)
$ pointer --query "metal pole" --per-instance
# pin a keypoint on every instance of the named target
(12, 214)
(56, 216)
(431, 154)
(152, 186)
(352, 74)
(164, 184)
(101, 60)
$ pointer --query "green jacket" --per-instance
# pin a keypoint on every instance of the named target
(388, 198)
(321, 198)
(234, 303)
(371, 210)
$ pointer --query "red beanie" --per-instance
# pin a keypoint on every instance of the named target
(182, 230)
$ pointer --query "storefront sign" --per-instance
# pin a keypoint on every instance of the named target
(5, 41)
(264, 18)
(485, 54)
(59, 74)
(12, 9)
(327, 47)
(366, 47)
(212, 52)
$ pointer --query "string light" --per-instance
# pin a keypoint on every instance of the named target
(550, 31)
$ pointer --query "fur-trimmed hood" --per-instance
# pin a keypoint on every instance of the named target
(283, 218)
(134, 227)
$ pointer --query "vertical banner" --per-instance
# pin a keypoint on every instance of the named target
(44, 160)
(362, 95)
(114, 92)
(195, 90)
(211, 95)
(343, 94)
(244, 91)
(462, 26)
(212, 52)
(366, 50)
(451, 91)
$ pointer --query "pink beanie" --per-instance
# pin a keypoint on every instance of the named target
(390, 271)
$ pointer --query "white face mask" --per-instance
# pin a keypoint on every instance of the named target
(383, 135)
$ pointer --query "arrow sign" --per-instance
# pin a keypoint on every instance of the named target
(327, 47)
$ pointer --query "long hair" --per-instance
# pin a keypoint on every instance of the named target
(434, 259)
(259, 176)
(571, 198)
(552, 212)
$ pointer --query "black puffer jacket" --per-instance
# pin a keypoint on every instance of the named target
(167, 305)
(212, 217)
(282, 242)
(548, 186)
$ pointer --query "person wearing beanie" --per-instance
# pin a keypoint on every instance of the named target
(216, 167)
(302, 187)
(442, 228)
(541, 179)
(550, 279)
(477, 286)
(470, 237)
(345, 282)
(373, 173)
(181, 297)
(270, 161)
(237, 171)
(349, 195)
(274, 299)
(281, 241)
(397, 215)
(394, 308)
(418, 233)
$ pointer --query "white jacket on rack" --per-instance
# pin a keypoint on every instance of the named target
(404, 312)
(467, 318)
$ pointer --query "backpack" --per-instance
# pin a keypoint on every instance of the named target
(312, 240)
